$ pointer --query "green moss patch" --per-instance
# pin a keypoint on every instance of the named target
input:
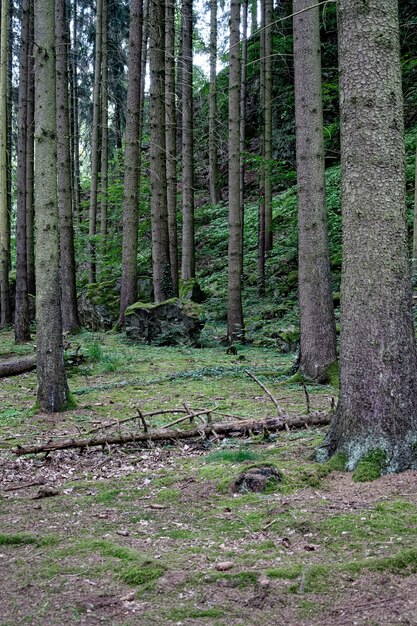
(369, 467)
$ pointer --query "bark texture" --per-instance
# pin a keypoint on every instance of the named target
(378, 392)
(317, 323)
(161, 266)
(235, 330)
(30, 125)
(213, 160)
(52, 391)
(5, 311)
(70, 320)
(128, 293)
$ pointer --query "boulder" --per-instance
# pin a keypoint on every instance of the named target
(257, 478)
(92, 315)
(191, 290)
(169, 323)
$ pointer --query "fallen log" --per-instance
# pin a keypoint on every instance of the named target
(241, 428)
(18, 365)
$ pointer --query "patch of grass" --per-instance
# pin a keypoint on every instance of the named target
(107, 496)
(168, 495)
(290, 572)
(17, 540)
(232, 456)
(337, 463)
(370, 467)
(142, 573)
(194, 613)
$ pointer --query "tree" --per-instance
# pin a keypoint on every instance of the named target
(52, 385)
(4, 214)
(235, 330)
(69, 308)
(162, 281)
(245, 7)
(22, 327)
(188, 246)
(267, 118)
(213, 132)
(30, 126)
(377, 408)
(129, 288)
(104, 124)
(317, 323)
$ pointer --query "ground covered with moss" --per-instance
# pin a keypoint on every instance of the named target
(155, 535)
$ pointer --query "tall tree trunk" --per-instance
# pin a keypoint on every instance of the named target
(414, 259)
(129, 287)
(188, 245)
(162, 281)
(261, 206)
(245, 7)
(254, 16)
(10, 106)
(22, 329)
(104, 127)
(235, 330)
(171, 144)
(30, 125)
(317, 323)
(377, 407)
(52, 385)
(95, 142)
(69, 309)
(5, 310)
(76, 186)
(213, 130)
(268, 126)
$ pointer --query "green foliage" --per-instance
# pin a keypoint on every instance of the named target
(369, 467)
(232, 456)
(145, 572)
(16, 540)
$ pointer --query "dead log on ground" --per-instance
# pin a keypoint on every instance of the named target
(241, 428)
(17, 365)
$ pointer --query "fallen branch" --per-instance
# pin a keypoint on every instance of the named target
(281, 411)
(270, 424)
(18, 365)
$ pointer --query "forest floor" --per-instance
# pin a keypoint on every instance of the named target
(155, 535)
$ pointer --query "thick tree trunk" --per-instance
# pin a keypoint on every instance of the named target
(162, 281)
(76, 191)
(414, 259)
(171, 140)
(132, 160)
(30, 125)
(95, 141)
(104, 116)
(378, 362)
(16, 366)
(22, 329)
(5, 310)
(213, 130)
(261, 206)
(188, 245)
(52, 385)
(69, 308)
(268, 126)
(235, 329)
(245, 7)
(317, 323)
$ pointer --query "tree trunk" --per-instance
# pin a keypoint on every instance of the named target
(254, 16)
(161, 266)
(171, 143)
(245, 7)
(188, 245)
(69, 309)
(377, 408)
(30, 125)
(261, 206)
(235, 330)
(17, 365)
(317, 323)
(414, 259)
(213, 130)
(95, 141)
(5, 310)
(268, 126)
(22, 329)
(129, 287)
(104, 103)
(52, 385)
(76, 199)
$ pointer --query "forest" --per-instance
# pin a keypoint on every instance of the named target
(208, 360)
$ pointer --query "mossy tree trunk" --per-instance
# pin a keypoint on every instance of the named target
(52, 385)
(235, 329)
(5, 311)
(317, 323)
(377, 408)
(22, 329)
(132, 160)
(69, 309)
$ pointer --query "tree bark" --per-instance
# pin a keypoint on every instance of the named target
(5, 310)
(162, 281)
(171, 140)
(16, 366)
(267, 155)
(22, 327)
(414, 259)
(378, 362)
(188, 244)
(95, 141)
(30, 125)
(76, 193)
(261, 206)
(213, 130)
(132, 160)
(235, 329)
(317, 323)
(52, 391)
(104, 116)
(245, 7)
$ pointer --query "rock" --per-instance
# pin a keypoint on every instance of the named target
(224, 566)
(173, 322)
(46, 492)
(191, 290)
(92, 315)
(256, 478)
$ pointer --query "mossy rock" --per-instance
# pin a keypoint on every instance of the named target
(258, 478)
(289, 338)
(98, 305)
(168, 323)
(191, 290)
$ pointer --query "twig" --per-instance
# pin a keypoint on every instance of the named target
(190, 415)
(281, 411)
(307, 397)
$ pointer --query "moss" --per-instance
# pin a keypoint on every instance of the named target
(369, 467)
(290, 572)
(337, 463)
(16, 540)
(331, 375)
(194, 613)
(149, 305)
(143, 573)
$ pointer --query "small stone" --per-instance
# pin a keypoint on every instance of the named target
(123, 532)
(46, 492)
